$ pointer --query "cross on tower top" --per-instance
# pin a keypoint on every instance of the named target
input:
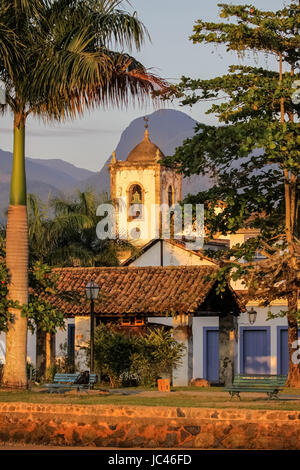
(146, 127)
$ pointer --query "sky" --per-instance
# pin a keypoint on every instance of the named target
(88, 141)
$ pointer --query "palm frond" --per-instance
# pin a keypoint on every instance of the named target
(68, 63)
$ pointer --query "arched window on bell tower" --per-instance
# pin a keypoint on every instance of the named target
(135, 202)
(170, 196)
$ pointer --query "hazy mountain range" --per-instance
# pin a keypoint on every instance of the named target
(167, 129)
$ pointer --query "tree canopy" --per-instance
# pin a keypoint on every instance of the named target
(253, 154)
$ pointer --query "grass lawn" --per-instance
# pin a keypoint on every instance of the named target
(180, 396)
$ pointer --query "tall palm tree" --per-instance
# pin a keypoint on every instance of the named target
(57, 58)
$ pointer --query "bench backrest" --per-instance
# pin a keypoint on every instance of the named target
(71, 378)
(65, 378)
(93, 379)
(259, 380)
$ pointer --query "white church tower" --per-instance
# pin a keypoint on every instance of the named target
(138, 185)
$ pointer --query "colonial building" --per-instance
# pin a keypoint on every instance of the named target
(175, 296)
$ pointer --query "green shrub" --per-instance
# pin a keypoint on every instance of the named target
(112, 353)
(157, 354)
(127, 358)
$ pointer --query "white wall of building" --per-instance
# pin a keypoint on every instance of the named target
(82, 337)
(2, 348)
(199, 323)
(31, 348)
(172, 256)
(168, 321)
(61, 338)
(150, 258)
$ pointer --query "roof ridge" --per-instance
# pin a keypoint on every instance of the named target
(89, 268)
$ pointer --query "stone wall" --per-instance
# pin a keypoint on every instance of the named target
(149, 427)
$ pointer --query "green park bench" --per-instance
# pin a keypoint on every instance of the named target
(269, 384)
(64, 382)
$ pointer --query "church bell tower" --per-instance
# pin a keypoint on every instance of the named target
(140, 184)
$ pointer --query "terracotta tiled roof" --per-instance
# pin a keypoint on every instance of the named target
(137, 290)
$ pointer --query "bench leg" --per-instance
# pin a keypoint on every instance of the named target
(82, 389)
(237, 394)
(273, 395)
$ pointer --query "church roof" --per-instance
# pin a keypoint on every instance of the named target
(145, 151)
(148, 291)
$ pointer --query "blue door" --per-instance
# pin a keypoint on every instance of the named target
(211, 354)
(283, 350)
(71, 344)
(255, 350)
(283, 359)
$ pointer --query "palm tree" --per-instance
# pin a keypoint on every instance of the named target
(74, 231)
(63, 232)
(58, 58)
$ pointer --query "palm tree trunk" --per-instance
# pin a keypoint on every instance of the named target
(17, 263)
